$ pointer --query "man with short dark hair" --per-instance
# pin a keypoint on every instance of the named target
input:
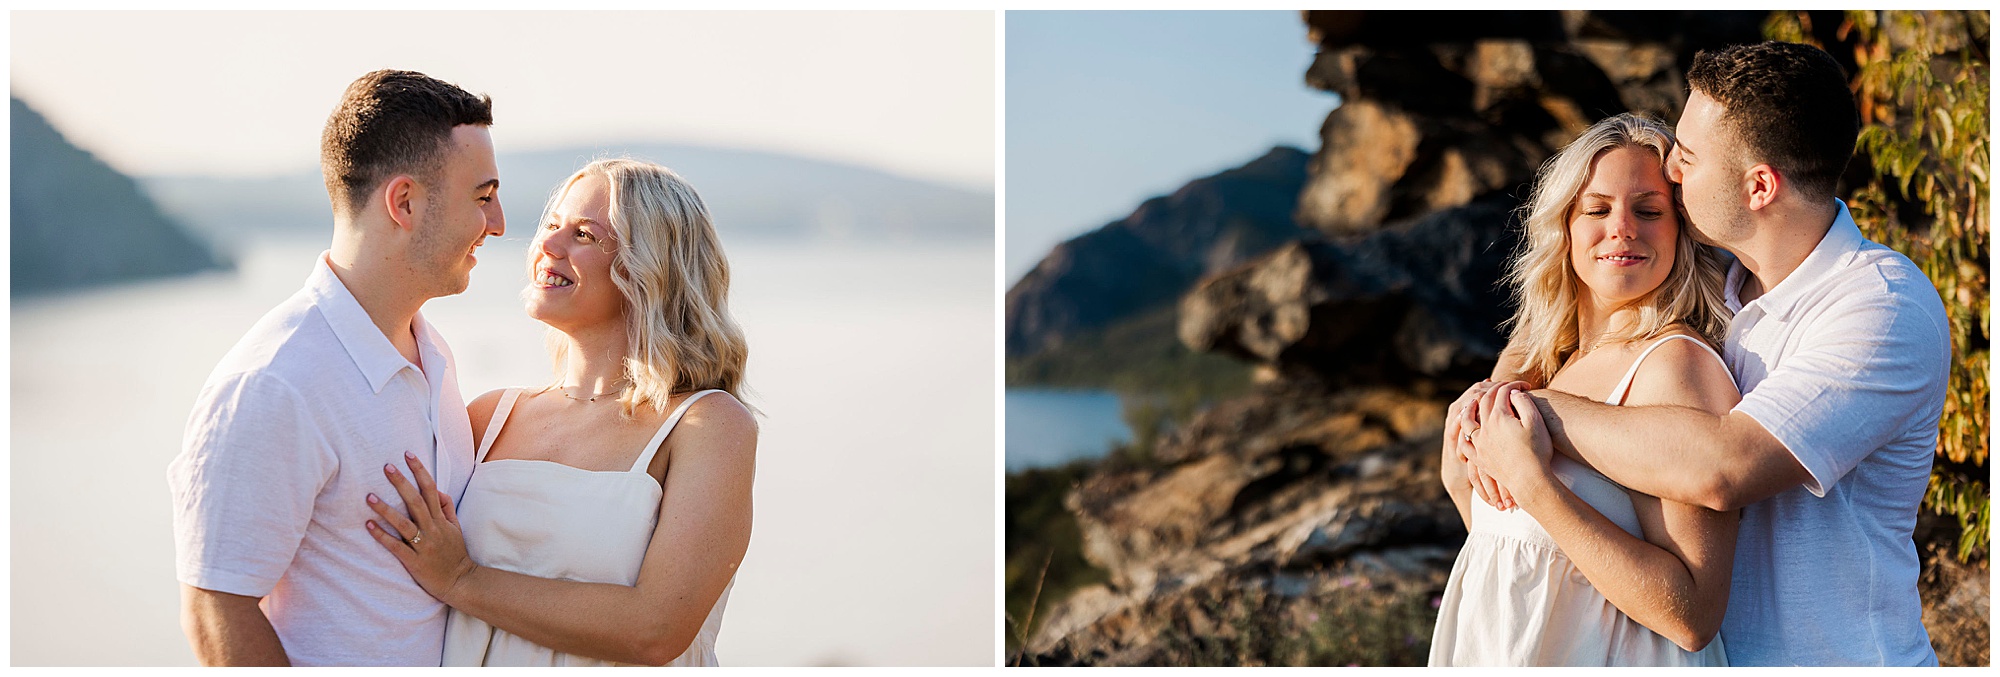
(291, 431)
(1841, 350)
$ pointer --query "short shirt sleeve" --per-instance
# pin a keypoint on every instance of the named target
(1863, 374)
(251, 466)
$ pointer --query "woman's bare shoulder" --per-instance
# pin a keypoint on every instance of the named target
(718, 420)
(1685, 373)
(480, 410)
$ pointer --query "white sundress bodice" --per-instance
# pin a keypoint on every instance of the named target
(1514, 598)
(551, 520)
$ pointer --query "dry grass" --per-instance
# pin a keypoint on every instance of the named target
(1361, 625)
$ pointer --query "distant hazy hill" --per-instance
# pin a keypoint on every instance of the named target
(1145, 262)
(753, 196)
(77, 222)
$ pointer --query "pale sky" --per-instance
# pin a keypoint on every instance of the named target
(1107, 109)
(246, 93)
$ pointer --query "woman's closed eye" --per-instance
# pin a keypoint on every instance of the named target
(1647, 214)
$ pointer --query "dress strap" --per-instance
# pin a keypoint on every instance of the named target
(1618, 394)
(653, 447)
(493, 424)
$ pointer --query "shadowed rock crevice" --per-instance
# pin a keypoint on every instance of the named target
(1404, 304)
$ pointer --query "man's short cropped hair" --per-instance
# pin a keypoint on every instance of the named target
(1788, 104)
(392, 122)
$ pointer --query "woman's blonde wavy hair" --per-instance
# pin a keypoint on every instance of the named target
(1545, 283)
(670, 267)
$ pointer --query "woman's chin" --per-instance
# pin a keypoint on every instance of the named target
(568, 319)
(1625, 288)
(544, 299)
(540, 309)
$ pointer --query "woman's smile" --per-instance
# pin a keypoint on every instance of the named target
(550, 279)
(1623, 258)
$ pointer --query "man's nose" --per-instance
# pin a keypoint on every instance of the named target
(1674, 165)
(496, 223)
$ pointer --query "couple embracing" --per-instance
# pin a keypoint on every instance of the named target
(1687, 461)
(336, 502)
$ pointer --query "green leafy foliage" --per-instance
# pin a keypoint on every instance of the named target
(1927, 134)
(1921, 82)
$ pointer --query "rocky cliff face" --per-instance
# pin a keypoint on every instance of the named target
(1439, 112)
(1414, 302)
(1295, 498)
(77, 222)
(1319, 491)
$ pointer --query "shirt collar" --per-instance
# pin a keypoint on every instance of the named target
(1842, 240)
(371, 351)
(431, 345)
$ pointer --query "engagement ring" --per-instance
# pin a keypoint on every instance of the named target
(414, 540)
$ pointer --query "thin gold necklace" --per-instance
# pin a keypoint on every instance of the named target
(592, 398)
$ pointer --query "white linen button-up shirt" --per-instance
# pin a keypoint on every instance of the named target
(1845, 362)
(288, 437)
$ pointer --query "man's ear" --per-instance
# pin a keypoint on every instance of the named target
(1762, 183)
(399, 196)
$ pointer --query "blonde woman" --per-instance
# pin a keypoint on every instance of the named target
(1616, 303)
(609, 510)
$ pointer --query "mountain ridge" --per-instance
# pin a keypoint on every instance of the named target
(752, 194)
(77, 222)
(1145, 261)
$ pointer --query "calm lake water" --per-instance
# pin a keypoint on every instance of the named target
(1052, 427)
(874, 368)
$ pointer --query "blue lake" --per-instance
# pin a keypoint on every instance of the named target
(1052, 427)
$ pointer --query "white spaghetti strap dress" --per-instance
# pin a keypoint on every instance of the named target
(1514, 598)
(551, 520)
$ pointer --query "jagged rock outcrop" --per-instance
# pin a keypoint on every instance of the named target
(1437, 112)
(77, 222)
(1320, 488)
(1147, 260)
(1414, 302)
(1299, 494)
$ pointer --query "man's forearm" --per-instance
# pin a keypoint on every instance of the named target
(1676, 453)
(229, 630)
